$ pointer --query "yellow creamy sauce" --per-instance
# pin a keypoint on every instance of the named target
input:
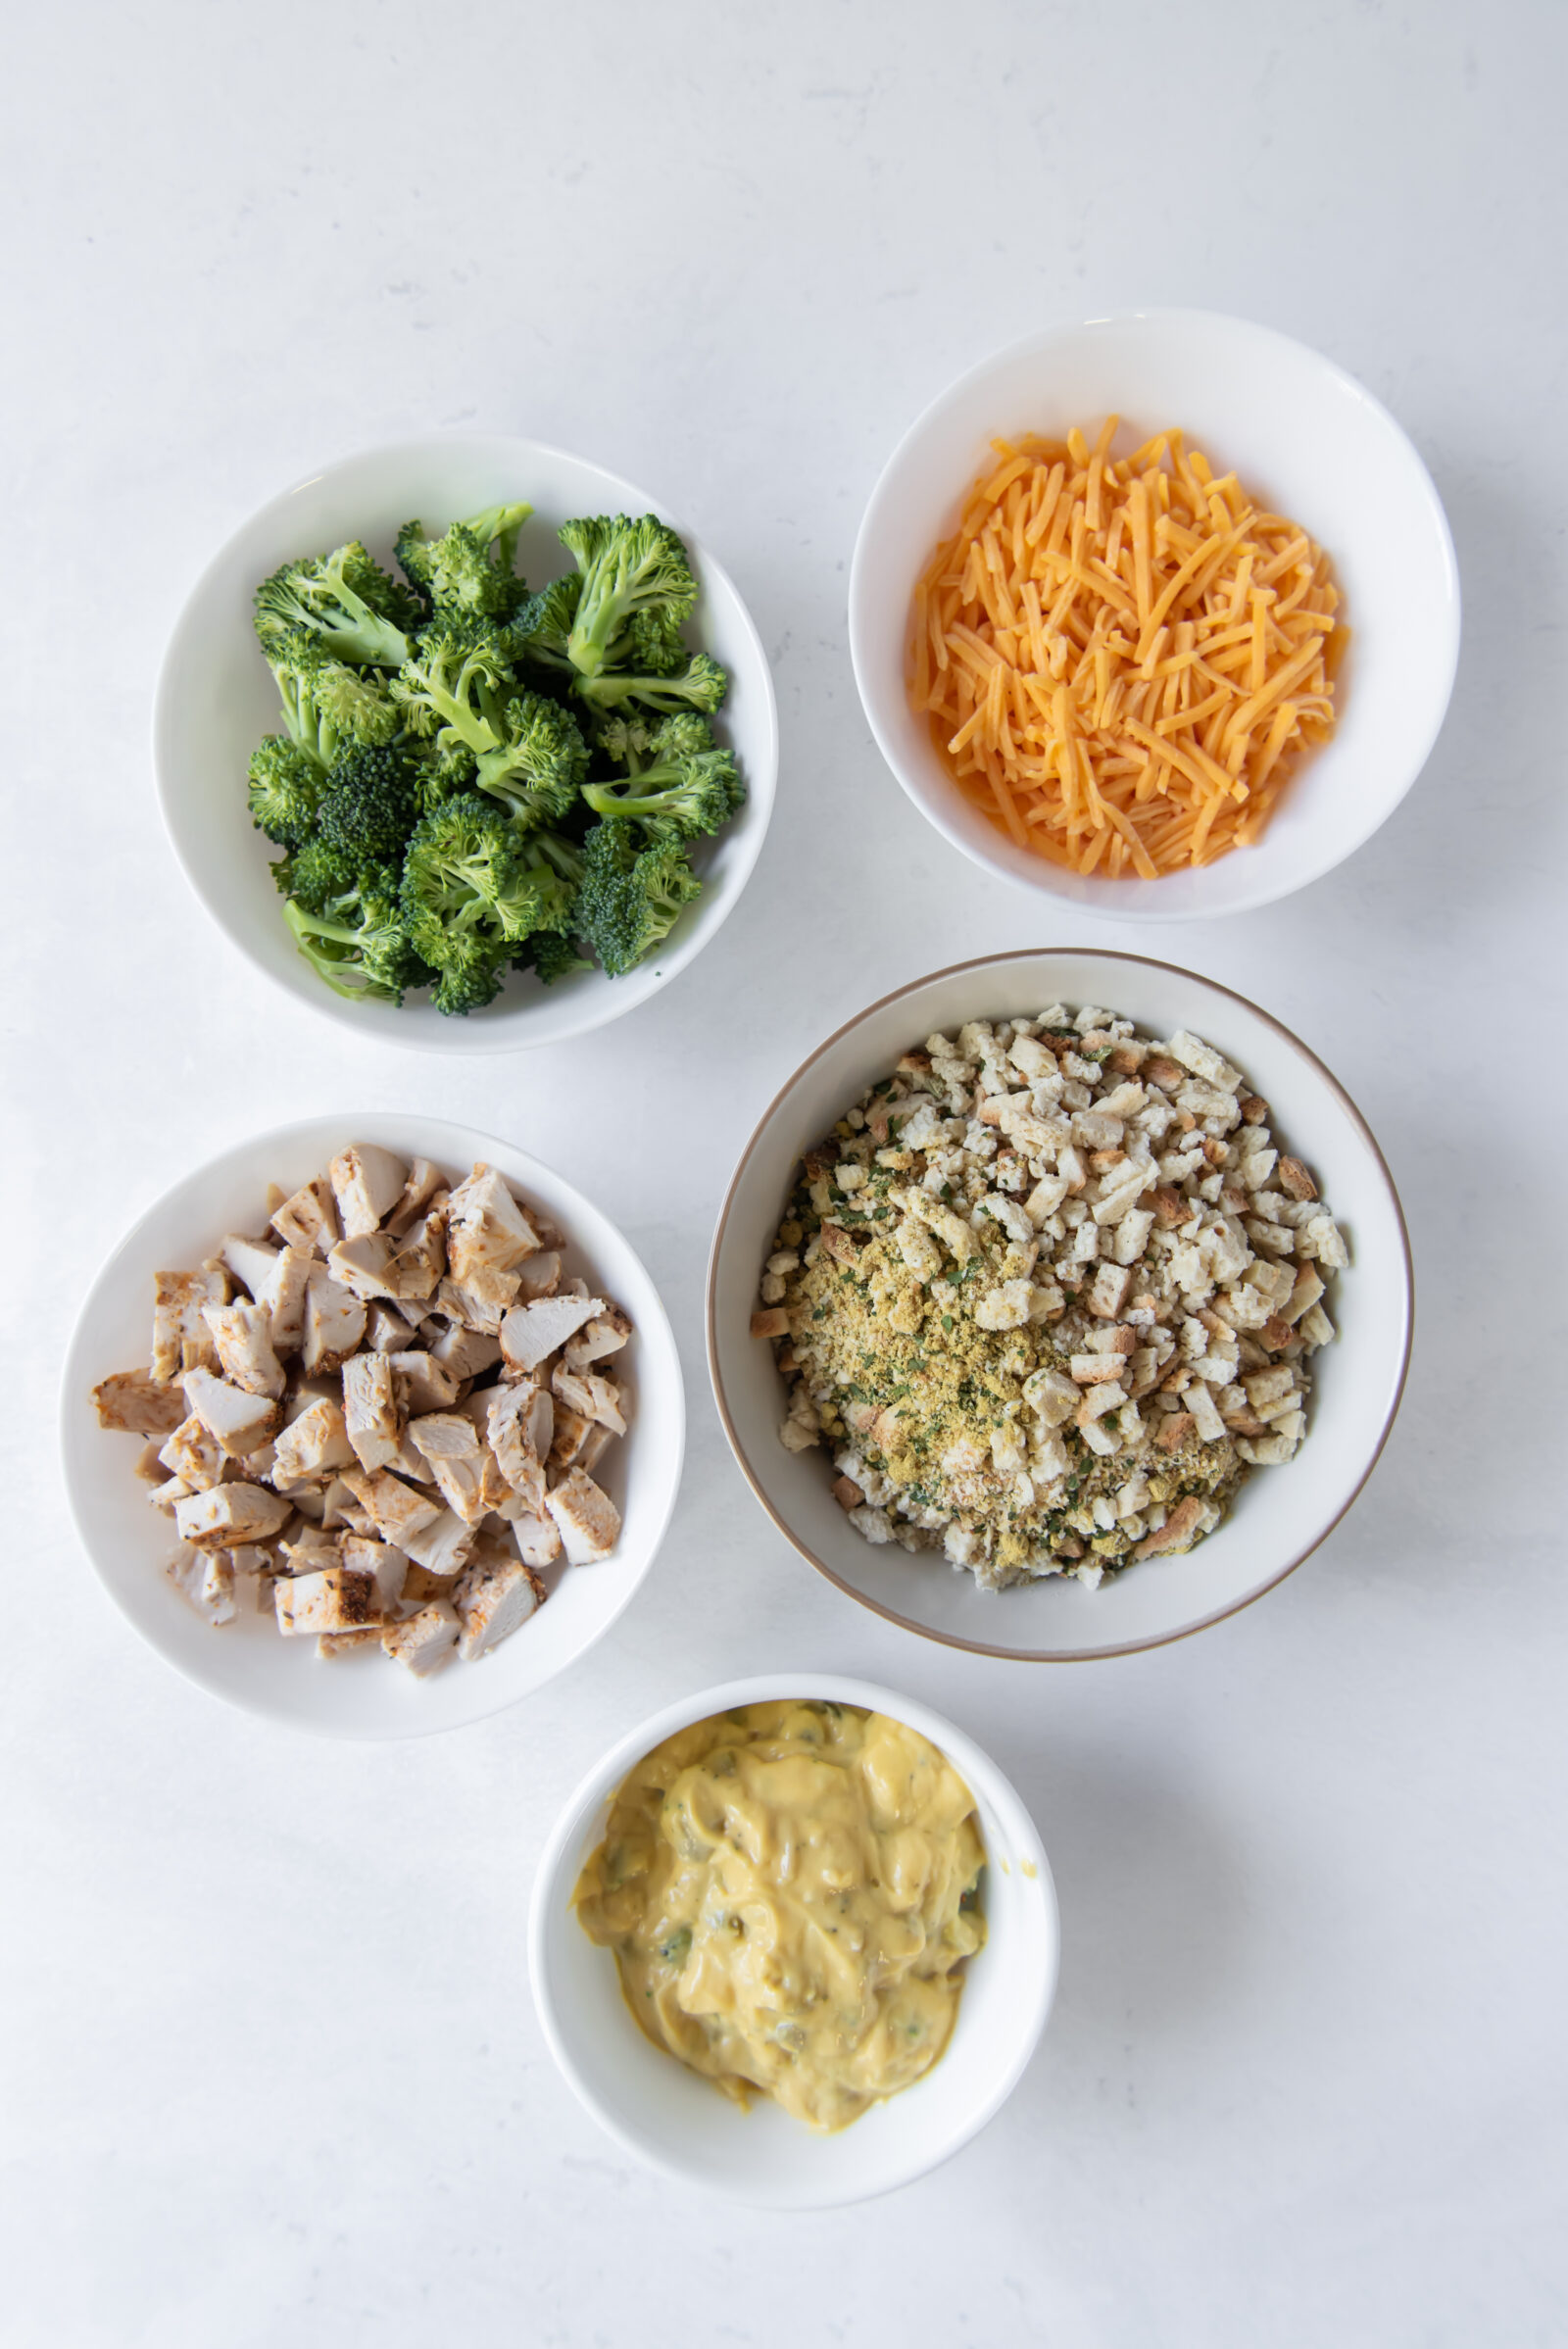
(791, 1891)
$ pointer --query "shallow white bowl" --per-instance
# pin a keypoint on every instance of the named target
(1302, 434)
(365, 1694)
(1280, 1515)
(681, 2124)
(216, 700)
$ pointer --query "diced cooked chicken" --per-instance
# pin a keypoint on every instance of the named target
(421, 1383)
(370, 1409)
(253, 1263)
(493, 1595)
(531, 1333)
(317, 1439)
(450, 1443)
(231, 1515)
(332, 1647)
(138, 1403)
(386, 1565)
(243, 1337)
(285, 1299)
(419, 1258)
(241, 1421)
(422, 1184)
(309, 1221)
(445, 1436)
(307, 1550)
(588, 1520)
(594, 1446)
(361, 1266)
(442, 1544)
(480, 1307)
(334, 1322)
(487, 1231)
(425, 1640)
(465, 1353)
(520, 1425)
(570, 1437)
(605, 1333)
(539, 1276)
(337, 1599)
(538, 1538)
(168, 1494)
(595, 1397)
(396, 1511)
(182, 1339)
(206, 1581)
(341, 1510)
(386, 1332)
(193, 1453)
(367, 1182)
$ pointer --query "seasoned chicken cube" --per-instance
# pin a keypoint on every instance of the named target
(370, 1409)
(520, 1425)
(605, 1333)
(317, 1438)
(446, 1436)
(493, 1595)
(285, 1299)
(442, 1544)
(480, 1307)
(337, 1599)
(330, 1646)
(423, 1182)
(571, 1433)
(427, 1640)
(367, 1182)
(253, 1263)
(594, 1446)
(386, 1565)
(205, 1580)
(539, 1276)
(421, 1383)
(166, 1496)
(182, 1339)
(140, 1404)
(486, 1229)
(386, 1332)
(229, 1516)
(396, 1512)
(538, 1538)
(531, 1333)
(449, 1442)
(362, 1266)
(419, 1258)
(194, 1454)
(588, 1520)
(592, 1397)
(334, 1322)
(309, 1221)
(243, 1337)
(465, 1353)
(242, 1422)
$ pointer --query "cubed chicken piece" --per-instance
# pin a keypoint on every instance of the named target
(182, 1339)
(307, 1550)
(285, 1299)
(341, 1510)
(316, 1440)
(386, 1565)
(539, 1276)
(361, 1266)
(396, 1511)
(486, 1229)
(309, 1221)
(420, 1585)
(493, 1595)
(169, 1495)
(531, 1333)
(462, 1351)
(422, 1184)
(386, 1329)
(449, 1443)
(368, 1182)
(253, 1263)
(595, 1397)
(243, 1337)
(242, 1422)
(194, 1454)
(423, 1384)
(337, 1599)
(206, 1581)
(334, 1323)
(140, 1404)
(229, 1516)
(419, 1258)
(520, 1425)
(370, 1409)
(425, 1640)
(481, 1306)
(605, 1333)
(442, 1544)
(588, 1520)
(538, 1538)
(332, 1647)
(596, 1444)
(570, 1438)
(149, 1469)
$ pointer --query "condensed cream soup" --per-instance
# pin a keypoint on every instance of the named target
(791, 1891)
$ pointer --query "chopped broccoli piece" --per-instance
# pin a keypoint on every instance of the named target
(358, 941)
(371, 804)
(537, 769)
(315, 874)
(327, 706)
(701, 685)
(541, 628)
(472, 981)
(551, 957)
(449, 684)
(632, 570)
(285, 790)
(630, 900)
(470, 880)
(679, 796)
(456, 570)
(360, 611)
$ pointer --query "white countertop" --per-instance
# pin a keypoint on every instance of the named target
(271, 2073)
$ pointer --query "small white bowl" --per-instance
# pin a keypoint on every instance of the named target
(1280, 1515)
(679, 2123)
(1299, 432)
(216, 700)
(363, 1695)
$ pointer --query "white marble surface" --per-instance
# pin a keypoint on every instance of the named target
(271, 2073)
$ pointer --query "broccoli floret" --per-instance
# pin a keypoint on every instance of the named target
(679, 796)
(285, 791)
(327, 706)
(551, 957)
(633, 569)
(456, 570)
(360, 611)
(471, 980)
(537, 769)
(452, 685)
(564, 856)
(701, 685)
(541, 628)
(470, 880)
(371, 804)
(315, 874)
(358, 941)
(630, 900)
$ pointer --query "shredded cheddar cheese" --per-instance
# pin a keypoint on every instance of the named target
(1122, 657)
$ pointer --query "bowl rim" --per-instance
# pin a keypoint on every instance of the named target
(761, 788)
(986, 1780)
(1134, 908)
(75, 1397)
(985, 1647)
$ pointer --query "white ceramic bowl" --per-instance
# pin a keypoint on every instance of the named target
(1280, 1515)
(365, 1694)
(681, 2124)
(216, 699)
(1301, 433)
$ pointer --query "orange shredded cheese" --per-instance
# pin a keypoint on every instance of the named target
(1123, 657)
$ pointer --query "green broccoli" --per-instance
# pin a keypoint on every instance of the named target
(456, 570)
(472, 979)
(632, 570)
(541, 626)
(449, 685)
(370, 805)
(358, 941)
(551, 957)
(701, 685)
(630, 900)
(285, 791)
(468, 879)
(315, 874)
(537, 769)
(327, 706)
(358, 611)
(679, 796)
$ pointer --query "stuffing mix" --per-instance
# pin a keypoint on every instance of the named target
(1047, 1294)
(375, 1421)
